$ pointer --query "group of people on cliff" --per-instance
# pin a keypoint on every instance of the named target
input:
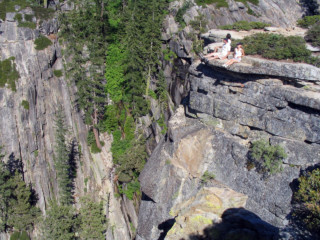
(225, 52)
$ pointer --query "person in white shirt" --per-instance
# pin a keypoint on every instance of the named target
(238, 54)
(225, 51)
(228, 36)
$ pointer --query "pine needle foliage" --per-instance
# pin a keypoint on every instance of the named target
(308, 195)
(92, 220)
(17, 208)
(266, 157)
(59, 222)
(61, 159)
(85, 33)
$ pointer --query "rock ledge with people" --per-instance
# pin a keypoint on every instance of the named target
(237, 62)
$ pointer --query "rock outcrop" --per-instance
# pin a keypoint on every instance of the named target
(231, 108)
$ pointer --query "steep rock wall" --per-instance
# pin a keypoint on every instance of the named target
(28, 134)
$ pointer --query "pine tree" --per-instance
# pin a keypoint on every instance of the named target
(85, 31)
(92, 220)
(6, 193)
(17, 208)
(61, 160)
(59, 223)
(22, 214)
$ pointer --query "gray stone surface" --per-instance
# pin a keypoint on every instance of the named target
(254, 65)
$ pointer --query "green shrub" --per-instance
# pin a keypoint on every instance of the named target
(58, 73)
(27, 23)
(25, 104)
(42, 42)
(224, 3)
(92, 143)
(199, 23)
(219, 3)
(162, 124)
(246, 26)
(8, 73)
(313, 35)
(275, 46)
(152, 94)
(19, 236)
(182, 11)
(255, 2)
(28, 17)
(9, 6)
(207, 176)
(31, 25)
(267, 158)
(308, 196)
(308, 21)
(130, 189)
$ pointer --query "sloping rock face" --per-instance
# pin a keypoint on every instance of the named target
(282, 13)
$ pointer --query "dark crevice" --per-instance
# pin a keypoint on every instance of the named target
(304, 109)
(255, 128)
(308, 142)
(202, 91)
(165, 227)
(146, 198)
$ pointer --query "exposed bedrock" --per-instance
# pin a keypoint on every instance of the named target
(228, 110)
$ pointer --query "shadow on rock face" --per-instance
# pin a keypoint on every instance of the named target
(239, 224)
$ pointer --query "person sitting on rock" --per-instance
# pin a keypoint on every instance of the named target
(228, 36)
(225, 51)
(238, 53)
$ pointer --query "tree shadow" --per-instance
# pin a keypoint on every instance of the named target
(239, 224)
(310, 6)
(14, 164)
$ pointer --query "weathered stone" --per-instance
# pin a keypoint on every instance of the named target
(264, 67)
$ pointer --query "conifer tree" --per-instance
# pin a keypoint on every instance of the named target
(59, 222)
(17, 209)
(85, 31)
(92, 220)
(61, 160)
(22, 214)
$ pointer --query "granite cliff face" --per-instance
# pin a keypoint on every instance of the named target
(28, 132)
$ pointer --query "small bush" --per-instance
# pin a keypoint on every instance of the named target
(31, 25)
(181, 12)
(42, 42)
(152, 94)
(92, 143)
(275, 46)
(162, 124)
(207, 176)
(313, 35)
(267, 158)
(25, 104)
(20, 236)
(219, 3)
(246, 26)
(8, 73)
(308, 196)
(58, 73)
(308, 21)
(130, 189)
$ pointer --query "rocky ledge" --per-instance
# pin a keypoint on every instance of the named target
(271, 68)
